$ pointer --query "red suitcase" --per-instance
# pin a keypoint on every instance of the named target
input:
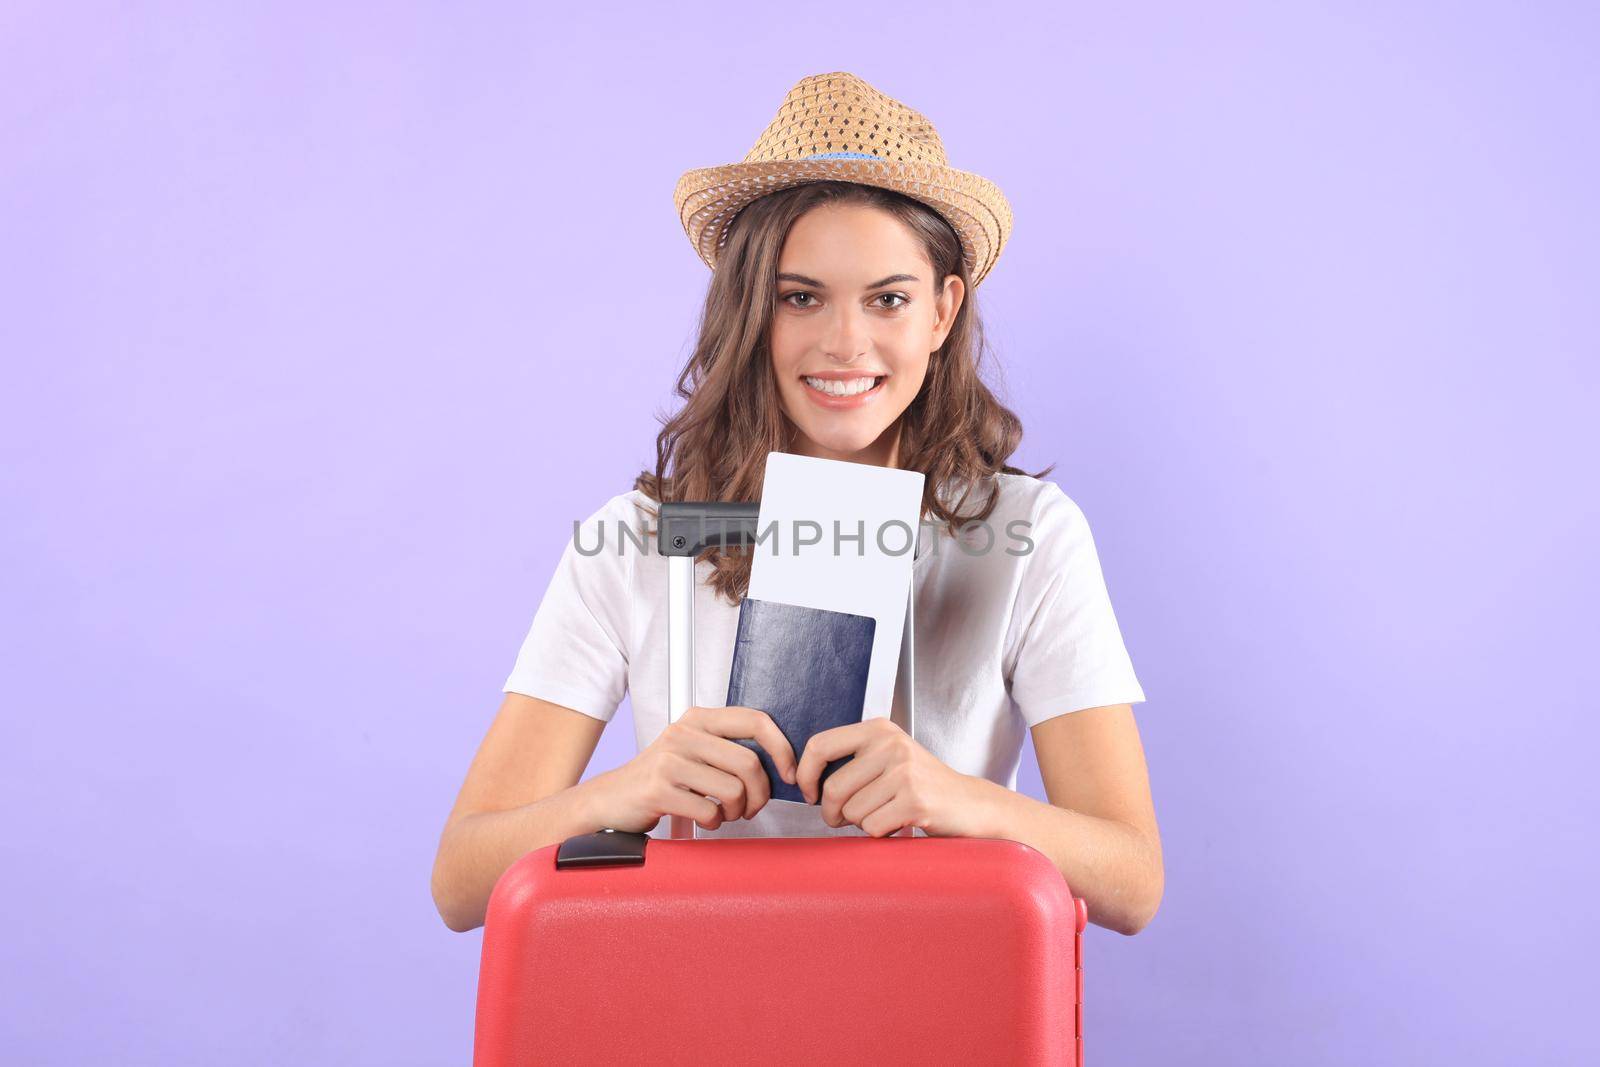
(613, 947)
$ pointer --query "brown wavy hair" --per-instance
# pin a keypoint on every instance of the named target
(715, 447)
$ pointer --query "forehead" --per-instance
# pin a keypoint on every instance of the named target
(851, 244)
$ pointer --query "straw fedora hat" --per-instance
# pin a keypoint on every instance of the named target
(836, 127)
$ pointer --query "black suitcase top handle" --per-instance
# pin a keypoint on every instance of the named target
(689, 527)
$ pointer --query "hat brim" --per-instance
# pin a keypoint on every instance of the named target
(708, 198)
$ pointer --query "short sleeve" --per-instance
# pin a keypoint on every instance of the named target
(1070, 654)
(576, 652)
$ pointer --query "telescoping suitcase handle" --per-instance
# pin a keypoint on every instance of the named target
(687, 528)
(684, 530)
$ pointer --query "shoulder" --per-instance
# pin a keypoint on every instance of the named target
(632, 509)
(612, 535)
(1038, 524)
(1035, 499)
(626, 505)
(1052, 522)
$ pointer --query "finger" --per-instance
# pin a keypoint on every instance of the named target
(867, 799)
(843, 784)
(691, 805)
(735, 759)
(743, 763)
(711, 781)
(900, 812)
(825, 747)
(777, 746)
(755, 725)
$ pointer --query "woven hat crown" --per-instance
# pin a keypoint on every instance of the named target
(841, 113)
(836, 127)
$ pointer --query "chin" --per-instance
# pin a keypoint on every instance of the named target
(841, 432)
(841, 443)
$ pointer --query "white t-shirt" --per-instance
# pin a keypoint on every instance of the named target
(1004, 638)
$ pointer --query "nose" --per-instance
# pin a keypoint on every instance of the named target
(845, 340)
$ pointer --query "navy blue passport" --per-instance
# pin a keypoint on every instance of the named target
(807, 669)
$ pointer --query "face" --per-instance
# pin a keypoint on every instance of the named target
(855, 323)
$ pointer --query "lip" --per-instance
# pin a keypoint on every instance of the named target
(842, 403)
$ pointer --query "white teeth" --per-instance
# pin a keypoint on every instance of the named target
(835, 388)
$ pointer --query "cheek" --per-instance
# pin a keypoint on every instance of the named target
(786, 351)
(910, 375)
(789, 385)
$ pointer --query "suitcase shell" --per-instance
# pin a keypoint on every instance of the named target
(906, 949)
(802, 950)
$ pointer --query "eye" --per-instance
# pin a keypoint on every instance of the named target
(904, 300)
(790, 297)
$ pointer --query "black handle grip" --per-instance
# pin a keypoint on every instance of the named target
(604, 848)
(689, 527)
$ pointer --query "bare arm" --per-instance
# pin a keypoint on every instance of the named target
(521, 793)
(1100, 825)
(522, 790)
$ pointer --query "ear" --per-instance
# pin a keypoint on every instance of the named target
(948, 303)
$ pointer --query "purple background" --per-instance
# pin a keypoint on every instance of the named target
(321, 326)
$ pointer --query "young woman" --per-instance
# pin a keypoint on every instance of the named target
(838, 324)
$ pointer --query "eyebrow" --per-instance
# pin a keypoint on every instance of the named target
(786, 276)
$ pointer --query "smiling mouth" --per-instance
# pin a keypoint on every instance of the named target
(847, 388)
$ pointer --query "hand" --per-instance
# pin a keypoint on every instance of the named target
(690, 767)
(892, 782)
